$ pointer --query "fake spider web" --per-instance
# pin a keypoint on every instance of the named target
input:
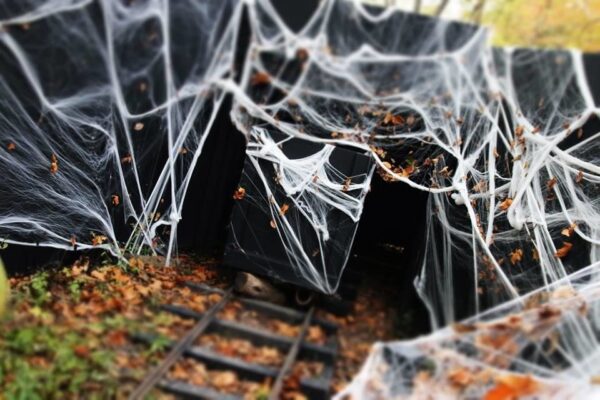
(109, 103)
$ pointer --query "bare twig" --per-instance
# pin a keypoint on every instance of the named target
(417, 8)
(477, 13)
(441, 8)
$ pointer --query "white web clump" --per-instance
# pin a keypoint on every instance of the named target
(494, 135)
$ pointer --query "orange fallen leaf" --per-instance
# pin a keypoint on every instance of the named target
(284, 209)
(101, 276)
(512, 387)
(224, 379)
(564, 250)
(519, 130)
(347, 184)
(516, 256)
(98, 239)
(81, 351)
(116, 338)
(506, 204)
(53, 164)
(239, 194)
(260, 78)
(11, 146)
(127, 159)
(460, 377)
(391, 119)
(569, 231)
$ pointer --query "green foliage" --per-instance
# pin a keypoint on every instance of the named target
(75, 289)
(39, 288)
(40, 362)
(159, 344)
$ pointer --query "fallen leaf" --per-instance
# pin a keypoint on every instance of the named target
(101, 276)
(564, 250)
(391, 119)
(512, 387)
(239, 194)
(260, 78)
(98, 239)
(516, 256)
(519, 130)
(347, 184)
(11, 146)
(127, 159)
(506, 204)
(53, 164)
(463, 328)
(284, 209)
(81, 351)
(569, 231)
(224, 379)
(138, 126)
(579, 177)
(460, 377)
(116, 338)
(115, 200)
(551, 183)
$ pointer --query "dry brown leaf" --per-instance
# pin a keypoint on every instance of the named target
(53, 164)
(11, 146)
(127, 159)
(101, 276)
(115, 200)
(460, 377)
(564, 250)
(516, 256)
(391, 119)
(225, 379)
(579, 177)
(239, 194)
(512, 387)
(519, 130)
(284, 209)
(81, 351)
(98, 239)
(463, 328)
(347, 184)
(506, 204)
(260, 78)
(551, 183)
(116, 338)
(569, 231)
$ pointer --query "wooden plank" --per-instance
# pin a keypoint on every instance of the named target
(326, 354)
(177, 350)
(187, 391)
(286, 314)
(317, 388)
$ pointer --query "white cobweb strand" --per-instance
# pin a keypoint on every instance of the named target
(492, 134)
